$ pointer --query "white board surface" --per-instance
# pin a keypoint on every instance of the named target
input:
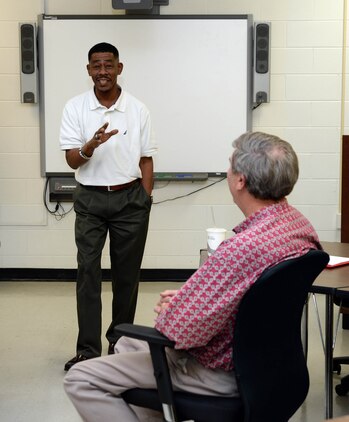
(192, 72)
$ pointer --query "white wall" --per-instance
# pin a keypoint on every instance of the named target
(307, 108)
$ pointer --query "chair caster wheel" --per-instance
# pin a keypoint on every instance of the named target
(341, 390)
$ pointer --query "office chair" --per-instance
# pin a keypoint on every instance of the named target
(268, 357)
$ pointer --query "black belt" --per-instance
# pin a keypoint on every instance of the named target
(112, 188)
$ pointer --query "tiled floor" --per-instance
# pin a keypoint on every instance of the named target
(38, 330)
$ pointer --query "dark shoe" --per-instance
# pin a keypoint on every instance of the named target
(111, 350)
(72, 362)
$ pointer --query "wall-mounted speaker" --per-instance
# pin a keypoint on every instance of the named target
(261, 63)
(28, 62)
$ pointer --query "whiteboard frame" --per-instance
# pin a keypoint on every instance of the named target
(50, 144)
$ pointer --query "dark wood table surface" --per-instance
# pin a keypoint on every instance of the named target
(333, 278)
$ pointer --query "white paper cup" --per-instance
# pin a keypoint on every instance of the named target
(215, 237)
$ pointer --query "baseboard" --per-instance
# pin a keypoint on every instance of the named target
(68, 274)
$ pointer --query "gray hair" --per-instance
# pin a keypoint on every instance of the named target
(269, 164)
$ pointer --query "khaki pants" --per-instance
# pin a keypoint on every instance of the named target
(95, 385)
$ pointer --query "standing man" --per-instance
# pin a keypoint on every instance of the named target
(106, 136)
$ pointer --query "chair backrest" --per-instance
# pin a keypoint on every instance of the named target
(268, 356)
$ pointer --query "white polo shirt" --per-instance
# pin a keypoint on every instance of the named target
(116, 161)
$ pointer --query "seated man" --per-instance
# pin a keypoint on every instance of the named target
(200, 316)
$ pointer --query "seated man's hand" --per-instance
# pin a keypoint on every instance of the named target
(165, 298)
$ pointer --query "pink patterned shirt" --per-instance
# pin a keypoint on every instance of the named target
(201, 316)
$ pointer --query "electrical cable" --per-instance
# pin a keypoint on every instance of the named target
(59, 212)
(190, 193)
(257, 105)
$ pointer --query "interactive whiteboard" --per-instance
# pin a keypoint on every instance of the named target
(192, 72)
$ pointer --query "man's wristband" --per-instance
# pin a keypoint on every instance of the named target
(84, 156)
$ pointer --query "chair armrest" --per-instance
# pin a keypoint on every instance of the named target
(141, 332)
(157, 343)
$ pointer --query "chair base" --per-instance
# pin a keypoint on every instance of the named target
(343, 388)
(338, 361)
